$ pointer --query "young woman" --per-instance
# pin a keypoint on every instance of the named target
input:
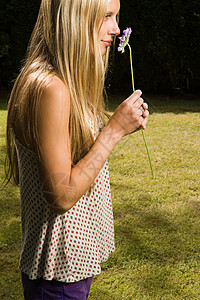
(58, 145)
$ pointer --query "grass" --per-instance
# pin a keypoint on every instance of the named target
(157, 222)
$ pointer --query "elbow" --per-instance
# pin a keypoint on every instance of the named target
(60, 207)
(61, 201)
(58, 210)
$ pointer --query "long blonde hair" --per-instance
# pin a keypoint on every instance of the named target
(64, 43)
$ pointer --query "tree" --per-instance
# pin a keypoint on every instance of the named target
(17, 18)
(165, 42)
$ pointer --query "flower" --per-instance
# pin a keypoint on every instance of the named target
(124, 39)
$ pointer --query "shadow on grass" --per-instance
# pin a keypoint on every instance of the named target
(162, 104)
(3, 106)
(146, 232)
(155, 236)
(4, 97)
(157, 104)
(2, 158)
(10, 234)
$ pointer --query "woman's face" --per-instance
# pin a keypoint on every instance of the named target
(109, 28)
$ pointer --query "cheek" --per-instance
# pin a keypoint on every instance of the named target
(102, 31)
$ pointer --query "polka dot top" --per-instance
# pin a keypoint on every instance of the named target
(68, 247)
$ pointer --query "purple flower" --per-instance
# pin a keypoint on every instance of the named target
(127, 31)
(124, 39)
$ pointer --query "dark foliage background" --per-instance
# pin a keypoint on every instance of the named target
(165, 43)
(17, 19)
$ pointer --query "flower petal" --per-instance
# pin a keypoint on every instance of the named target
(124, 39)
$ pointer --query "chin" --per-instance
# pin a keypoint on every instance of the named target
(103, 51)
(103, 48)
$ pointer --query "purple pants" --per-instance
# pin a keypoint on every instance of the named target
(40, 289)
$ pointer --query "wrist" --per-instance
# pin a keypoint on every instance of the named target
(110, 136)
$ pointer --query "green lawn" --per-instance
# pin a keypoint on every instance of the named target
(157, 222)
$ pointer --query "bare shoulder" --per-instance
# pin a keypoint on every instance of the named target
(55, 84)
(54, 106)
(55, 92)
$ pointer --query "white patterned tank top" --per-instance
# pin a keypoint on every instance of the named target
(68, 247)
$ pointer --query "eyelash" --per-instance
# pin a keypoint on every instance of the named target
(107, 16)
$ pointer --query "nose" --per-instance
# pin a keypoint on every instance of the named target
(115, 29)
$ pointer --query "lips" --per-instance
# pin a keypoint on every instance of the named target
(106, 43)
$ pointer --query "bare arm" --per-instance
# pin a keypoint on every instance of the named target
(66, 185)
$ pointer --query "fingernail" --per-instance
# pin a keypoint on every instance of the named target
(139, 91)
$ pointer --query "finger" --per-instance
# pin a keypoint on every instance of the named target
(138, 103)
(145, 113)
(134, 97)
(145, 105)
(144, 123)
(139, 114)
(140, 111)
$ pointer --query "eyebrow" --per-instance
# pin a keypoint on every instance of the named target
(111, 13)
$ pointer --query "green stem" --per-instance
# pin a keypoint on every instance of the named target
(148, 154)
(131, 63)
(133, 85)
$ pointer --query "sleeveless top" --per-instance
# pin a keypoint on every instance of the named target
(68, 247)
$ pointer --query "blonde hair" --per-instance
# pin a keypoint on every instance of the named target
(64, 43)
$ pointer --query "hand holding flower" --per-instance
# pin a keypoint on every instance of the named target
(128, 117)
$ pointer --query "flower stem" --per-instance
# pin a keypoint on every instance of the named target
(131, 63)
(148, 154)
(133, 85)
